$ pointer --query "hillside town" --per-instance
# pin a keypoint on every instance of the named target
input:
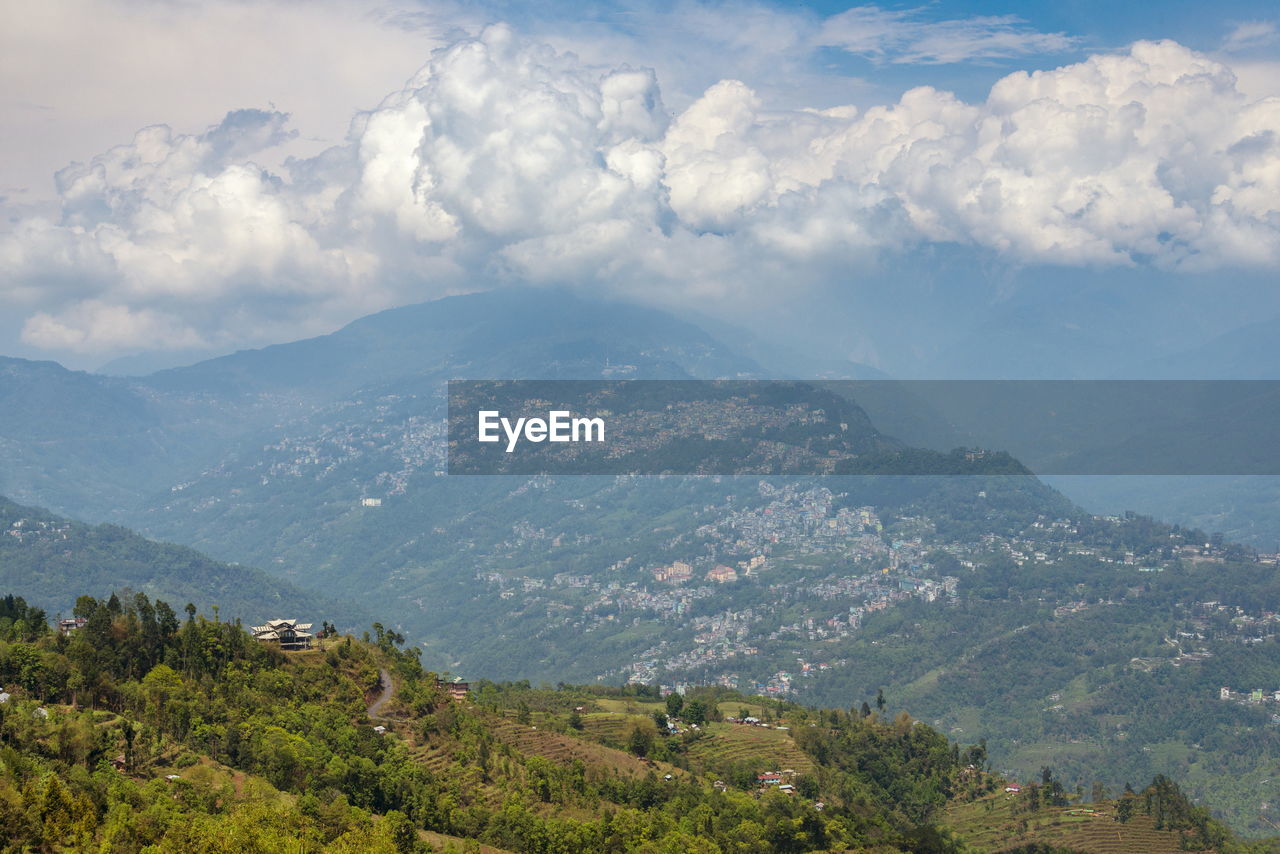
(752, 594)
(820, 569)
(31, 530)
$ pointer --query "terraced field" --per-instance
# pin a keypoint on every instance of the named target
(613, 727)
(629, 706)
(995, 828)
(723, 743)
(535, 741)
(435, 759)
(733, 742)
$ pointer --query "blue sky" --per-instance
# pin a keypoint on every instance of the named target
(1091, 25)
(193, 178)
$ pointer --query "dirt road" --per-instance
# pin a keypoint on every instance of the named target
(388, 691)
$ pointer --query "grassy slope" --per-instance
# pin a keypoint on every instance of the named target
(989, 825)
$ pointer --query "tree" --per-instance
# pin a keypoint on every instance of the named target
(807, 786)
(575, 720)
(404, 836)
(130, 733)
(166, 619)
(640, 741)
(696, 712)
(674, 704)
(880, 699)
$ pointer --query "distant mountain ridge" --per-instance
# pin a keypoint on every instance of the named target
(94, 446)
(49, 560)
(516, 332)
(86, 444)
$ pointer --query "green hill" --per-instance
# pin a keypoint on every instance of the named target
(138, 732)
(48, 560)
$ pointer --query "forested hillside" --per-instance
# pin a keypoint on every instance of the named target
(147, 731)
(48, 559)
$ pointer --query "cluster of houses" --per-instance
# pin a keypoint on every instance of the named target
(778, 779)
(1257, 695)
(34, 529)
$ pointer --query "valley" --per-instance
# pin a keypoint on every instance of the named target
(988, 605)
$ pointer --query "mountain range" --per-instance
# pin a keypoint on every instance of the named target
(322, 462)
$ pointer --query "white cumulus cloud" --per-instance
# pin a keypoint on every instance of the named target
(503, 159)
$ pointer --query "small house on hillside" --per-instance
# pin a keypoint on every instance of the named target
(289, 634)
(66, 627)
(457, 689)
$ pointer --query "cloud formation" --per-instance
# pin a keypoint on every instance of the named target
(1248, 35)
(505, 160)
(907, 36)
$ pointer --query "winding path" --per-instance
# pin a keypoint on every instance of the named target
(388, 691)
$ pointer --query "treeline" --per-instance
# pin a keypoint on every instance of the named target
(115, 734)
(141, 686)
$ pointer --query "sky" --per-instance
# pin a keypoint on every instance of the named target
(192, 178)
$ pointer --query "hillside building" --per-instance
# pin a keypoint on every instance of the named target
(457, 689)
(289, 634)
(722, 574)
(66, 627)
(678, 573)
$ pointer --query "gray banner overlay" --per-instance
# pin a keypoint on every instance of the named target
(864, 427)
